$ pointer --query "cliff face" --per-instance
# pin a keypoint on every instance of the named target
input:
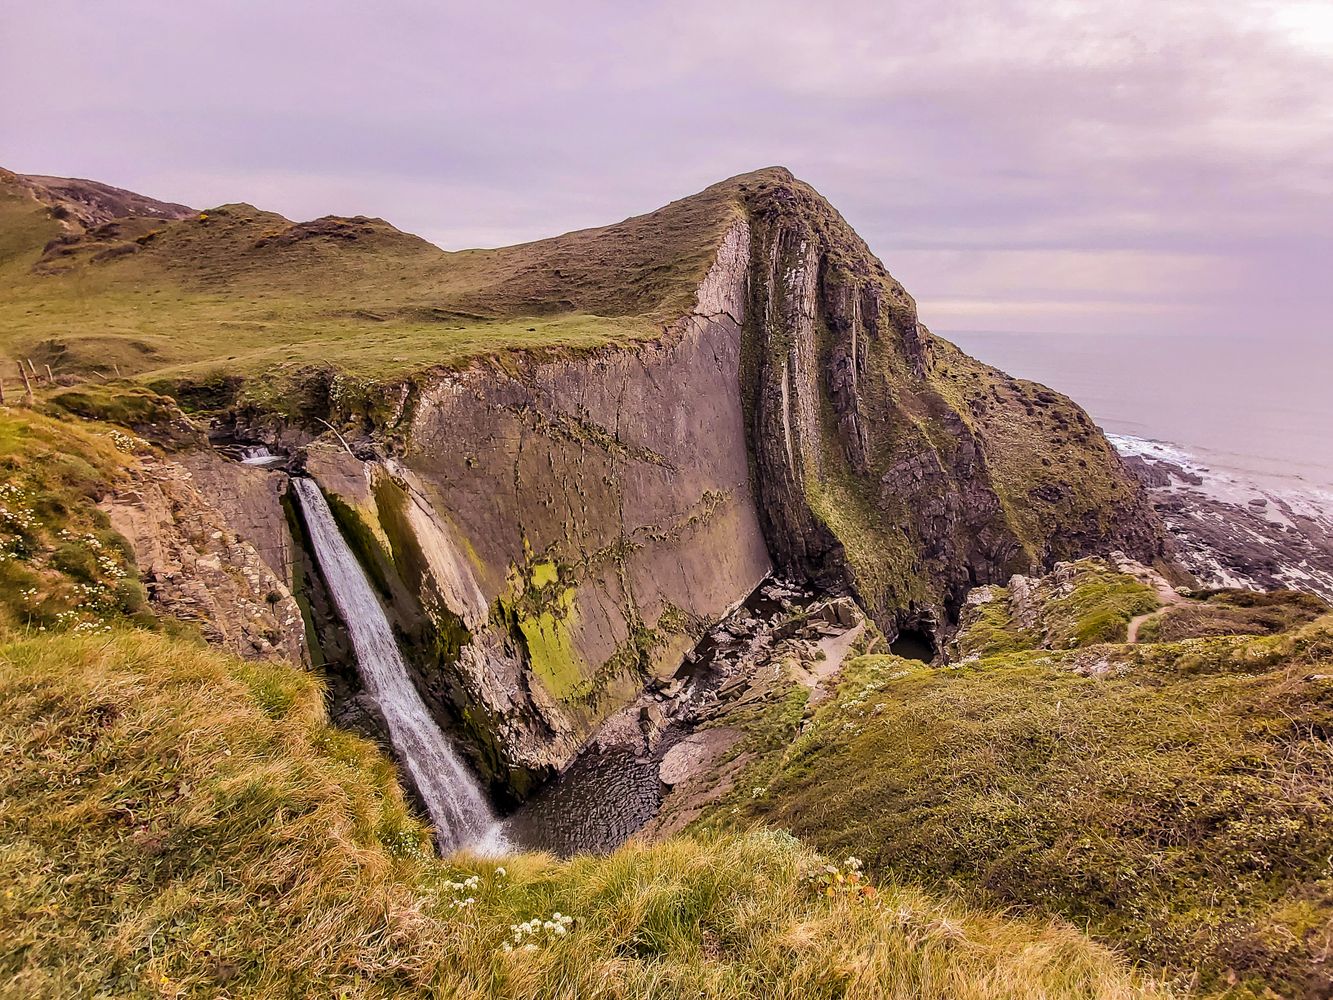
(198, 560)
(563, 461)
(577, 524)
(886, 461)
(572, 526)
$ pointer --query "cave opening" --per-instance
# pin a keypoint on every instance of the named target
(914, 644)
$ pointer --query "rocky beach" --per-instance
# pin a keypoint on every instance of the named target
(1233, 531)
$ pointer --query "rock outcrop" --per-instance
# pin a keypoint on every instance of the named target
(890, 465)
(196, 567)
(82, 204)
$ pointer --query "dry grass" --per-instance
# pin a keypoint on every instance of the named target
(1175, 798)
(177, 823)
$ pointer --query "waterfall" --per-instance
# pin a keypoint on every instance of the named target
(258, 455)
(457, 807)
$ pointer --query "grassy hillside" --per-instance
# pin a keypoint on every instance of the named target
(1175, 798)
(61, 565)
(177, 823)
(248, 290)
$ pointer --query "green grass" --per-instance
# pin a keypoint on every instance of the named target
(244, 291)
(61, 565)
(1086, 604)
(1234, 612)
(174, 822)
(1177, 799)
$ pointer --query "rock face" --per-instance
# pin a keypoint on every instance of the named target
(581, 521)
(84, 204)
(250, 498)
(570, 526)
(887, 463)
(198, 569)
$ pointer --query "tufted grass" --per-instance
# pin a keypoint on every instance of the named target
(1095, 604)
(61, 564)
(1176, 799)
(176, 823)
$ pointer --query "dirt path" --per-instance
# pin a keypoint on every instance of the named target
(1169, 598)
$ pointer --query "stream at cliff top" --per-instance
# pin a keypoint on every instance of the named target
(452, 795)
(247, 453)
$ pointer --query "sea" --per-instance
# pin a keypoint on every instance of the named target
(1257, 409)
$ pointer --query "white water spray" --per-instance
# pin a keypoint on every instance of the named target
(457, 807)
(258, 455)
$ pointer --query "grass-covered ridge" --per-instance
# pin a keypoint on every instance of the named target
(1175, 798)
(179, 823)
(238, 289)
(1234, 612)
(1078, 604)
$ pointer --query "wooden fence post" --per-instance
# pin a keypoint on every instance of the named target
(27, 386)
(50, 379)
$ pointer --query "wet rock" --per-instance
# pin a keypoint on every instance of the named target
(652, 718)
(1234, 534)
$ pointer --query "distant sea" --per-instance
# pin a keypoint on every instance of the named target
(1260, 409)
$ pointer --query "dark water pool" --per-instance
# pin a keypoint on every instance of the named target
(607, 795)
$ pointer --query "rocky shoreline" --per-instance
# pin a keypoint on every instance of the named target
(1232, 533)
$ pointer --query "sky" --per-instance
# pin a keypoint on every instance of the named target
(1076, 167)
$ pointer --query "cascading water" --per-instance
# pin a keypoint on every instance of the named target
(259, 455)
(457, 807)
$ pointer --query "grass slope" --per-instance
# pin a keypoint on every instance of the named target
(177, 823)
(1234, 612)
(1083, 603)
(246, 290)
(61, 565)
(1175, 798)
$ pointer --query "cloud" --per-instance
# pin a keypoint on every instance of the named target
(1101, 164)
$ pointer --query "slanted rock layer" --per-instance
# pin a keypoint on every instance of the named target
(583, 519)
(734, 384)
